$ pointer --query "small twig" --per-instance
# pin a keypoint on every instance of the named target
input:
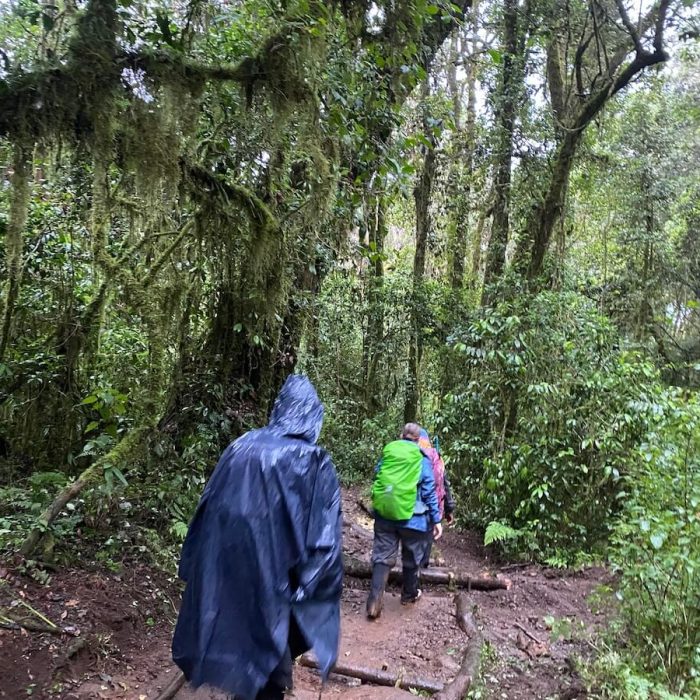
(37, 613)
(30, 627)
(529, 634)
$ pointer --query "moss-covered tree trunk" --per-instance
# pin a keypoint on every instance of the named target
(120, 455)
(373, 342)
(14, 241)
(422, 194)
(507, 93)
(462, 167)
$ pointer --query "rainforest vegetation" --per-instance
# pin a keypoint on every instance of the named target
(484, 216)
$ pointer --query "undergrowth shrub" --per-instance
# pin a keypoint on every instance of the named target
(540, 426)
(657, 548)
(610, 677)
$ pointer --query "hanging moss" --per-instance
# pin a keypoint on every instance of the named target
(68, 99)
(207, 184)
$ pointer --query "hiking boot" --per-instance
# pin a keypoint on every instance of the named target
(410, 591)
(410, 601)
(380, 576)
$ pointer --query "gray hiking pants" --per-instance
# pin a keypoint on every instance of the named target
(387, 536)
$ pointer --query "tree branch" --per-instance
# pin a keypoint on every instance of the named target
(629, 26)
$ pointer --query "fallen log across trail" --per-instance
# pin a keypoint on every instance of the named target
(361, 569)
(469, 669)
(370, 675)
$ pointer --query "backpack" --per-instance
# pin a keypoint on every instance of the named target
(438, 465)
(395, 486)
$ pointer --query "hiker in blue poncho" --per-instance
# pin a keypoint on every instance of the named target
(262, 558)
(406, 512)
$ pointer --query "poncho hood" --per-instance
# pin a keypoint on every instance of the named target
(297, 411)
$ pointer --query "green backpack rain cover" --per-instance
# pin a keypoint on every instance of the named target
(395, 487)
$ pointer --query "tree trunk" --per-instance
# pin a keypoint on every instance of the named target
(573, 117)
(462, 682)
(463, 166)
(507, 94)
(14, 240)
(119, 454)
(372, 350)
(422, 194)
(544, 218)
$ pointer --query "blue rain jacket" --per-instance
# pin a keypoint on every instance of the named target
(264, 544)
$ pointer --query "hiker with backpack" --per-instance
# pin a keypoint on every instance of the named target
(406, 512)
(443, 490)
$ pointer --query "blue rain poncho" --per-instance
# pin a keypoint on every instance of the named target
(264, 545)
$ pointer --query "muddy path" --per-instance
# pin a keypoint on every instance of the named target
(120, 627)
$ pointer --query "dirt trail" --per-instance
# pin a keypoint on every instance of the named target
(126, 622)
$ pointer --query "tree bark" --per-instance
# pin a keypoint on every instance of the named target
(508, 92)
(385, 678)
(14, 240)
(360, 569)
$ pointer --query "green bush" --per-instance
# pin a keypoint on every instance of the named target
(541, 427)
(609, 677)
(658, 548)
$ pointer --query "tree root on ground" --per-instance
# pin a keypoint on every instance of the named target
(469, 670)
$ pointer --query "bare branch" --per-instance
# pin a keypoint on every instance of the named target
(660, 24)
(629, 26)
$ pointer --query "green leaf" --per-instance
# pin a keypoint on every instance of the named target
(496, 56)
(657, 541)
(88, 400)
(91, 426)
(498, 532)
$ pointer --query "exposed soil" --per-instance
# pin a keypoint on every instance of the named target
(118, 630)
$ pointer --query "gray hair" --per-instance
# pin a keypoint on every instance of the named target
(411, 431)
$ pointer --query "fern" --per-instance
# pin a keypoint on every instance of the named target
(499, 532)
(179, 529)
